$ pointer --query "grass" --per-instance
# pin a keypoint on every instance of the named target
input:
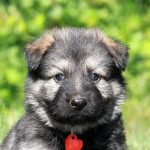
(8, 117)
(137, 124)
(136, 115)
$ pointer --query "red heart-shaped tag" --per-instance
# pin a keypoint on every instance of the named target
(73, 143)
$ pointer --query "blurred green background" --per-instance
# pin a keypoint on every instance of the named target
(127, 20)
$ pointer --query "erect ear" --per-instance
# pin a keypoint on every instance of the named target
(36, 49)
(118, 51)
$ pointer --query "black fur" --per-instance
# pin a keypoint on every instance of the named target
(50, 117)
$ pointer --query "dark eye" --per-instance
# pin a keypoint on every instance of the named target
(59, 77)
(94, 77)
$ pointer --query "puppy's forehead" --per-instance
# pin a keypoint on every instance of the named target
(99, 62)
(65, 63)
(72, 49)
(95, 61)
(77, 46)
(57, 61)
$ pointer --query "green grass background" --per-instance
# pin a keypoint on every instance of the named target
(127, 20)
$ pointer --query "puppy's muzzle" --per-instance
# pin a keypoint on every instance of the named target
(78, 103)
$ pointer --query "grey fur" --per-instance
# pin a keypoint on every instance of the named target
(75, 53)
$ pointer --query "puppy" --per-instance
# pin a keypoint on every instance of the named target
(74, 86)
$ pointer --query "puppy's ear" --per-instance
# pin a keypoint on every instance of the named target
(118, 51)
(35, 50)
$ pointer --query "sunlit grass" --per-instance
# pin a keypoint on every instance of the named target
(137, 123)
(136, 116)
(8, 117)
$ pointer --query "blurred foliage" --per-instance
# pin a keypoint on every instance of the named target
(127, 20)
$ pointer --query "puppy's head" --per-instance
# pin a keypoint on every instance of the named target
(75, 78)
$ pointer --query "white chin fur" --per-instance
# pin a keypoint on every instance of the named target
(38, 110)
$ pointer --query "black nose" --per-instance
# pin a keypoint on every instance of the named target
(78, 103)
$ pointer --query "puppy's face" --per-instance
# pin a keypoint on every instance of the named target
(75, 80)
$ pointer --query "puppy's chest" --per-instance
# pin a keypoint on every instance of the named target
(87, 142)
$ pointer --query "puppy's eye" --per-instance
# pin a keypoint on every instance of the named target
(94, 76)
(59, 77)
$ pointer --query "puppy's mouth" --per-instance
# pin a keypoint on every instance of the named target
(76, 119)
(67, 118)
(75, 123)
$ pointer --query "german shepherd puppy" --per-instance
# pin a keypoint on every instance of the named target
(74, 86)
